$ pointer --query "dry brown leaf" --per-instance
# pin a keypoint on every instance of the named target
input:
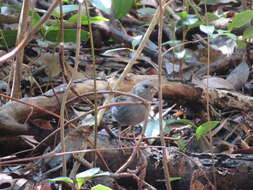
(216, 82)
(69, 72)
(51, 61)
(239, 76)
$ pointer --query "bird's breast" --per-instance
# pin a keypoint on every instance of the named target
(129, 114)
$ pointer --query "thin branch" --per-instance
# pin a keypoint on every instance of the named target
(64, 99)
(30, 35)
(22, 28)
(95, 82)
(132, 60)
(160, 63)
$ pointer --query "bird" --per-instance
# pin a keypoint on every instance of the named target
(133, 114)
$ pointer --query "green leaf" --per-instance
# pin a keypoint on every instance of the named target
(153, 128)
(64, 179)
(103, 5)
(224, 33)
(182, 144)
(147, 11)
(174, 179)
(248, 33)
(172, 42)
(82, 177)
(85, 20)
(241, 44)
(208, 2)
(207, 29)
(241, 19)
(40, 10)
(10, 6)
(205, 128)
(170, 179)
(69, 35)
(214, 2)
(35, 18)
(196, 24)
(136, 41)
(190, 20)
(121, 7)
(209, 17)
(102, 174)
(81, 181)
(100, 187)
(65, 9)
(227, 33)
(183, 15)
(8, 38)
(88, 173)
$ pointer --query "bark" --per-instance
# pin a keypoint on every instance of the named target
(14, 115)
(196, 170)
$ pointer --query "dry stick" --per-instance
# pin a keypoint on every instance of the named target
(99, 108)
(193, 5)
(138, 144)
(160, 61)
(179, 45)
(132, 61)
(62, 111)
(122, 76)
(142, 101)
(208, 103)
(30, 35)
(79, 157)
(147, 105)
(65, 95)
(53, 155)
(100, 156)
(61, 46)
(95, 82)
(84, 144)
(197, 164)
(31, 105)
(172, 12)
(22, 28)
(208, 112)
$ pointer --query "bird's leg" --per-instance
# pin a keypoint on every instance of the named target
(124, 132)
(107, 129)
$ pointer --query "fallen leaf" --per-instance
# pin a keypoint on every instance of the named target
(216, 82)
(239, 76)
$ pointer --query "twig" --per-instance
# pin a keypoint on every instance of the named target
(53, 154)
(65, 95)
(22, 28)
(31, 105)
(132, 61)
(160, 62)
(95, 76)
(136, 149)
(142, 101)
(30, 35)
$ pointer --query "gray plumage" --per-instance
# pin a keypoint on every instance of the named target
(134, 113)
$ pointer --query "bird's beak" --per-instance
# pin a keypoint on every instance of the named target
(154, 90)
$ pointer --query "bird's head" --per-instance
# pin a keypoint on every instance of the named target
(145, 89)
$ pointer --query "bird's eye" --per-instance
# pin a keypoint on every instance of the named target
(145, 86)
